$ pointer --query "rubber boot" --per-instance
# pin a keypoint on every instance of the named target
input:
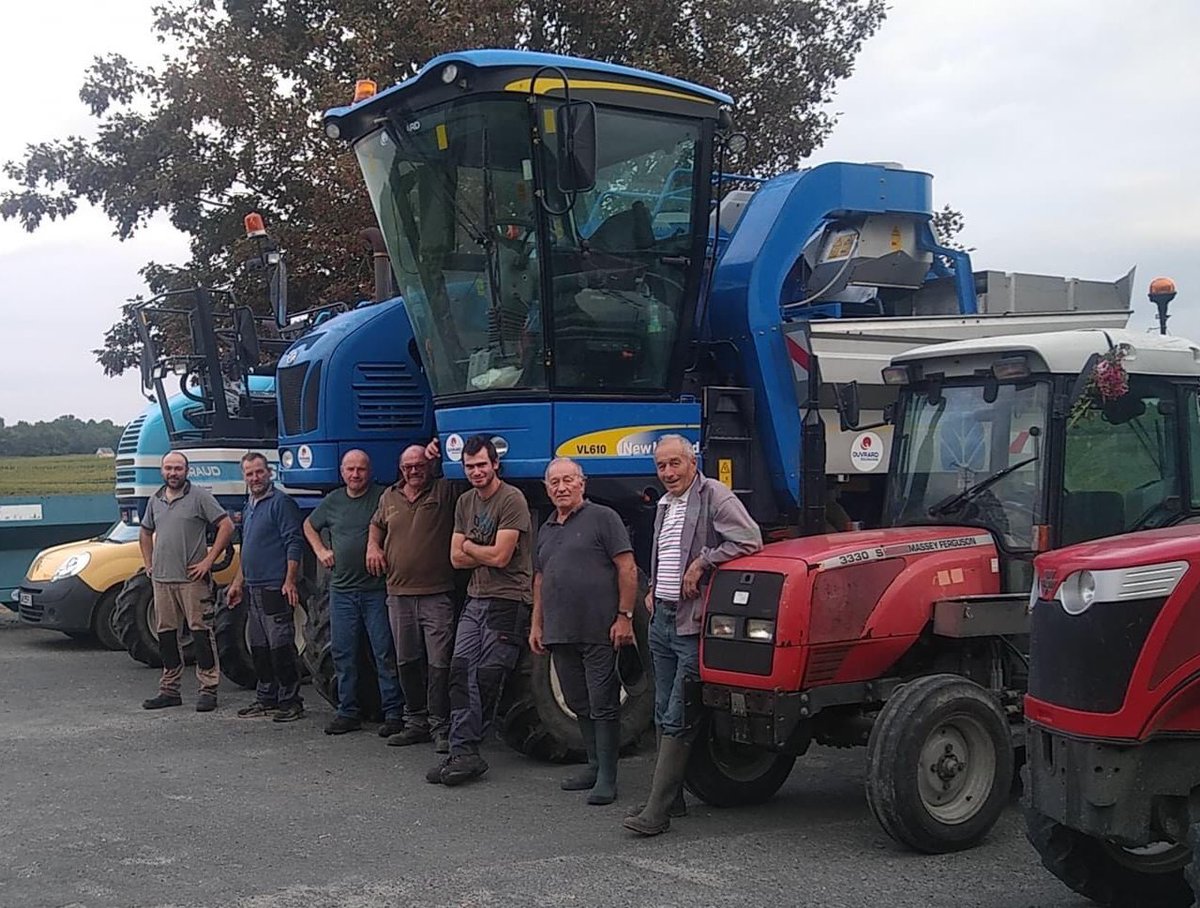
(669, 770)
(608, 746)
(586, 777)
(679, 805)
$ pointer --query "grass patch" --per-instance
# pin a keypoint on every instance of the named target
(70, 474)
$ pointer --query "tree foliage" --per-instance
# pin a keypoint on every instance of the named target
(65, 435)
(227, 121)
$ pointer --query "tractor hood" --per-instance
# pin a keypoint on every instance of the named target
(833, 550)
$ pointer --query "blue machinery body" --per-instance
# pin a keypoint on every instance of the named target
(768, 268)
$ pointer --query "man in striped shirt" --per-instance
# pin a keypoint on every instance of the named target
(700, 523)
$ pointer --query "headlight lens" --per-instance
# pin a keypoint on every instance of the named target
(1077, 593)
(760, 630)
(287, 459)
(72, 566)
(721, 626)
(304, 457)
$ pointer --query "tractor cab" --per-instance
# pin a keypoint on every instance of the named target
(546, 219)
(1045, 440)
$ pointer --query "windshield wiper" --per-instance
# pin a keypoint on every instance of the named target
(973, 491)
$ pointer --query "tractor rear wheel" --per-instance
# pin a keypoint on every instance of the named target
(727, 774)
(317, 652)
(939, 764)
(1109, 875)
(103, 628)
(134, 624)
(534, 719)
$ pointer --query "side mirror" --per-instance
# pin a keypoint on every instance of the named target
(846, 399)
(248, 350)
(279, 291)
(576, 126)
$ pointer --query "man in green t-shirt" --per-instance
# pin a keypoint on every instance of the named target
(357, 598)
(492, 538)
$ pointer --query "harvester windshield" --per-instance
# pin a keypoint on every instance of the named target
(592, 303)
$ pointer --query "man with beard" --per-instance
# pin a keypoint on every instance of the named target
(173, 533)
(272, 546)
(357, 597)
(410, 542)
(491, 538)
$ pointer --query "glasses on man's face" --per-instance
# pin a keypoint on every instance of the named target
(414, 468)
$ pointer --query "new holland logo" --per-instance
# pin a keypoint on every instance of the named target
(290, 357)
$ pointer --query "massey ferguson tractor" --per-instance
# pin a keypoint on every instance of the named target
(1113, 786)
(912, 639)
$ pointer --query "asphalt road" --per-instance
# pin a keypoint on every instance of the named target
(107, 806)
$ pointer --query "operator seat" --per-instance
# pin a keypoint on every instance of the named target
(630, 230)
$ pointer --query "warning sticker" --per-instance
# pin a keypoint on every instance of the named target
(866, 452)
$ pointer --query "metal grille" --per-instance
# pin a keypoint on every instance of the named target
(129, 438)
(289, 384)
(386, 396)
(32, 613)
(312, 399)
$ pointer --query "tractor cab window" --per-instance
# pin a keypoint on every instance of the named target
(1122, 471)
(620, 255)
(972, 455)
(453, 190)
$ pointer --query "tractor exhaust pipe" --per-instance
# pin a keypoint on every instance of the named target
(384, 287)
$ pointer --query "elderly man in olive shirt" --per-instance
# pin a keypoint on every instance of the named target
(584, 586)
(410, 543)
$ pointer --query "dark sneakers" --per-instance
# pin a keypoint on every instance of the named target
(434, 776)
(162, 701)
(391, 727)
(410, 735)
(463, 768)
(441, 744)
(257, 710)
(206, 702)
(289, 713)
(342, 724)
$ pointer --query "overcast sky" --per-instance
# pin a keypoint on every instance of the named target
(1066, 131)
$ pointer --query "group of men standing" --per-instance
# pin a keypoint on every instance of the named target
(392, 554)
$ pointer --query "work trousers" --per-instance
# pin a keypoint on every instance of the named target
(486, 648)
(351, 612)
(676, 660)
(423, 630)
(272, 629)
(190, 602)
(587, 675)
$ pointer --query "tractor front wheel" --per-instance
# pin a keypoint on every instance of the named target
(939, 764)
(727, 774)
(1109, 875)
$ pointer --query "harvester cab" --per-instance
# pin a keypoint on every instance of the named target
(911, 639)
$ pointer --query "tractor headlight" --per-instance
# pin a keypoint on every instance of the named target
(1077, 593)
(72, 566)
(721, 626)
(760, 630)
(286, 459)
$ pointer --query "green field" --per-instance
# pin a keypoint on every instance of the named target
(72, 474)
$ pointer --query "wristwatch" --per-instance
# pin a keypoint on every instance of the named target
(628, 614)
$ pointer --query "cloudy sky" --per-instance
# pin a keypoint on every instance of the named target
(1065, 130)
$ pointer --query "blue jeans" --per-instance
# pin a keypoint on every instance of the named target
(351, 611)
(676, 661)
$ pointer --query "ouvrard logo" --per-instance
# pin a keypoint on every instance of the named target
(203, 471)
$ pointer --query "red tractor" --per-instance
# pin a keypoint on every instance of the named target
(913, 639)
(1113, 712)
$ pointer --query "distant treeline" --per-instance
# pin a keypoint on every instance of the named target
(65, 435)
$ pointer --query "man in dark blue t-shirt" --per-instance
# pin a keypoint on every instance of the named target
(272, 546)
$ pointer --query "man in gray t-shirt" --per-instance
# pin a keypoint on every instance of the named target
(584, 587)
(174, 548)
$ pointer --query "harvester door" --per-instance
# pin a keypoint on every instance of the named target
(727, 447)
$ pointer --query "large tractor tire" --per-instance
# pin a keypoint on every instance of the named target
(939, 764)
(317, 654)
(1109, 875)
(727, 774)
(533, 717)
(134, 625)
(103, 628)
